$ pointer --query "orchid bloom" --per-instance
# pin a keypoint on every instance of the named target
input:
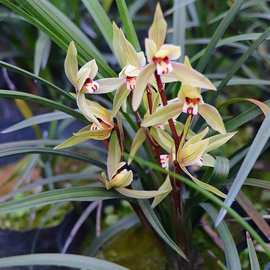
(101, 124)
(131, 63)
(83, 79)
(119, 178)
(194, 152)
(161, 60)
(192, 103)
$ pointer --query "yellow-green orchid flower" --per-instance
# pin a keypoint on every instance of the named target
(194, 152)
(119, 178)
(83, 79)
(131, 63)
(161, 58)
(192, 103)
(100, 128)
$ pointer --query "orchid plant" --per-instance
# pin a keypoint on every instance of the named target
(151, 134)
(159, 126)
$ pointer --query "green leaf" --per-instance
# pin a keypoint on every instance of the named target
(53, 259)
(35, 77)
(231, 253)
(243, 58)
(157, 226)
(43, 101)
(43, 150)
(254, 262)
(179, 26)
(107, 234)
(265, 184)
(35, 120)
(255, 149)
(209, 196)
(136, 143)
(101, 19)
(79, 194)
(42, 52)
(59, 28)
(220, 30)
(163, 114)
(127, 24)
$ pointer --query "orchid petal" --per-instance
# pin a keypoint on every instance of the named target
(190, 153)
(120, 180)
(88, 70)
(162, 138)
(71, 64)
(190, 76)
(158, 29)
(198, 137)
(264, 107)
(150, 49)
(218, 140)
(208, 160)
(141, 83)
(84, 108)
(114, 155)
(124, 51)
(141, 58)
(108, 85)
(131, 71)
(204, 185)
(99, 112)
(136, 143)
(85, 135)
(166, 187)
(141, 194)
(162, 115)
(212, 117)
(119, 98)
(174, 52)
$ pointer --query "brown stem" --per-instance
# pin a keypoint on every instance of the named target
(176, 192)
(149, 98)
(164, 103)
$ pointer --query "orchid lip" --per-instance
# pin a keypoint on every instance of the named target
(90, 86)
(163, 65)
(131, 82)
(191, 106)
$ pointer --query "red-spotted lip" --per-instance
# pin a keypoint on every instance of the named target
(193, 101)
(159, 60)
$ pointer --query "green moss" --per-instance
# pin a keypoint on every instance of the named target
(137, 249)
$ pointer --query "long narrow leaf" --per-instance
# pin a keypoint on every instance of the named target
(254, 262)
(52, 259)
(247, 165)
(127, 23)
(59, 195)
(222, 27)
(38, 78)
(231, 254)
(42, 101)
(209, 196)
(101, 19)
(38, 119)
(44, 150)
(157, 226)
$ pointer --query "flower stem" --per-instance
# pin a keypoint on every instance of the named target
(176, 192)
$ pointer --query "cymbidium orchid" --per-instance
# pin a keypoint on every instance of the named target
(83, 79)
(119, 177)
(131, 63)
(194, 152)
(192, 103)
(161, 58)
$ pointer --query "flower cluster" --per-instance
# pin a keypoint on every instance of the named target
(141, 87)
